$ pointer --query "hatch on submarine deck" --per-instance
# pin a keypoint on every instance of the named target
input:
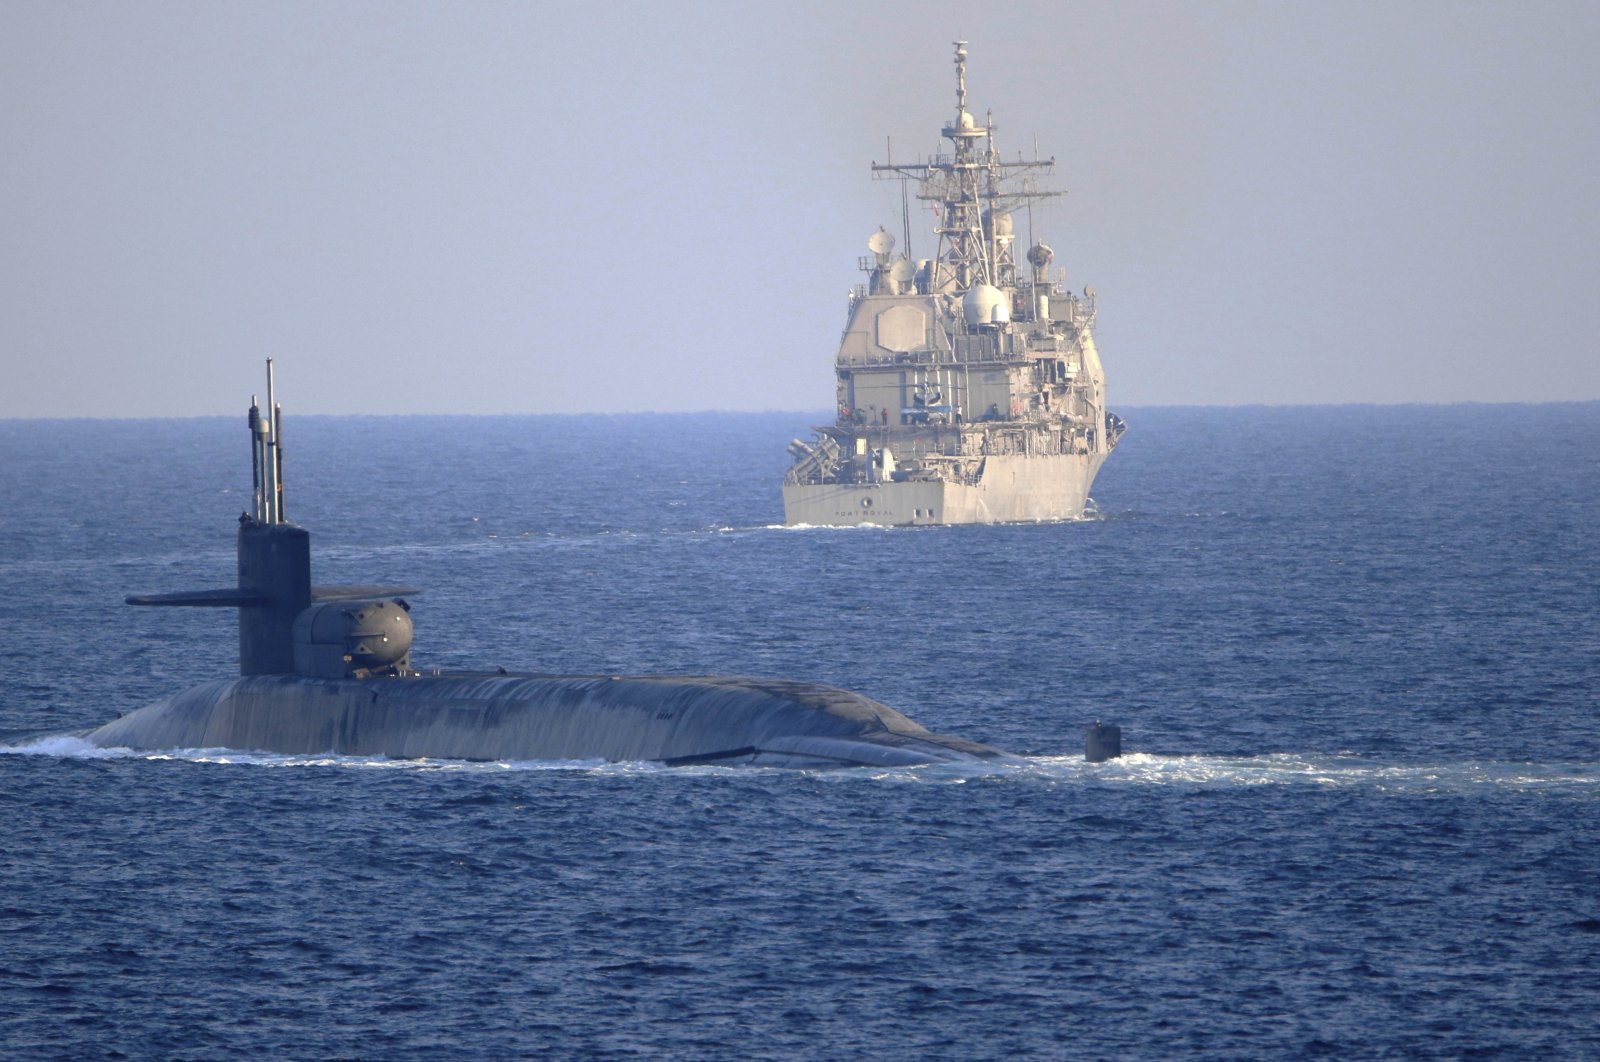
(327, 669)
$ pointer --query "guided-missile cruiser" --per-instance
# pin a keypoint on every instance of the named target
(970, 389)
(327, 669)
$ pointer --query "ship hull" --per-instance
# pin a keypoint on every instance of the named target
(678, 721)
(1013, 488)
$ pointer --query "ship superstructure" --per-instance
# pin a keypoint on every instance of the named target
(969, 386)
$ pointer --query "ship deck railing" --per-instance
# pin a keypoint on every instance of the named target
(1014, 348)
(934, 357)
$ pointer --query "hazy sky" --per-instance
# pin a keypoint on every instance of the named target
(495, 207)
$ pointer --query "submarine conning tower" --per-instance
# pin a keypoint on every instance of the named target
(274, 555)
(287, 626)
(275, 566)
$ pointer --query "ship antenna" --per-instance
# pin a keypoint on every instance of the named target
(266, 455)
(1031, 240)
(991, 193)
(270, 458)
(961, 79)
(277, 445)
(255, 460)
(905, 214)
(905, 207)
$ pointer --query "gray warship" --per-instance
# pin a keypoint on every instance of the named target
(327, 669)
(969, 387)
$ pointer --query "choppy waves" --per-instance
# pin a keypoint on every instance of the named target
(1368, 828)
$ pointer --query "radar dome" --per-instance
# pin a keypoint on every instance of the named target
(1040, 255)
(880, 242)
(985, 304)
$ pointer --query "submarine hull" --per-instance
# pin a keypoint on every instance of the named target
(672, 720)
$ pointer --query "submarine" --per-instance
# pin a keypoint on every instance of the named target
(327, 669)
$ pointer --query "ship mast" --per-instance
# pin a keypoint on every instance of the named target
(969, 186)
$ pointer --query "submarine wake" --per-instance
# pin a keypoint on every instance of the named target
(1326, 771)
(1135, 770)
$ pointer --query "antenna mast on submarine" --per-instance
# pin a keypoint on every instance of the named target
(266, 435)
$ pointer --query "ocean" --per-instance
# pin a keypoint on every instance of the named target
(1354, 651)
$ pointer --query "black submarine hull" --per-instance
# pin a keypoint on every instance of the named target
(671, 720)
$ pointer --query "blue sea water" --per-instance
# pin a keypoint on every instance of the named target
(1354, 651)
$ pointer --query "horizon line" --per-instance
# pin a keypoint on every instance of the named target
(808, 413)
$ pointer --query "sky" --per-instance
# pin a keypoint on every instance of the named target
(566, 208)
